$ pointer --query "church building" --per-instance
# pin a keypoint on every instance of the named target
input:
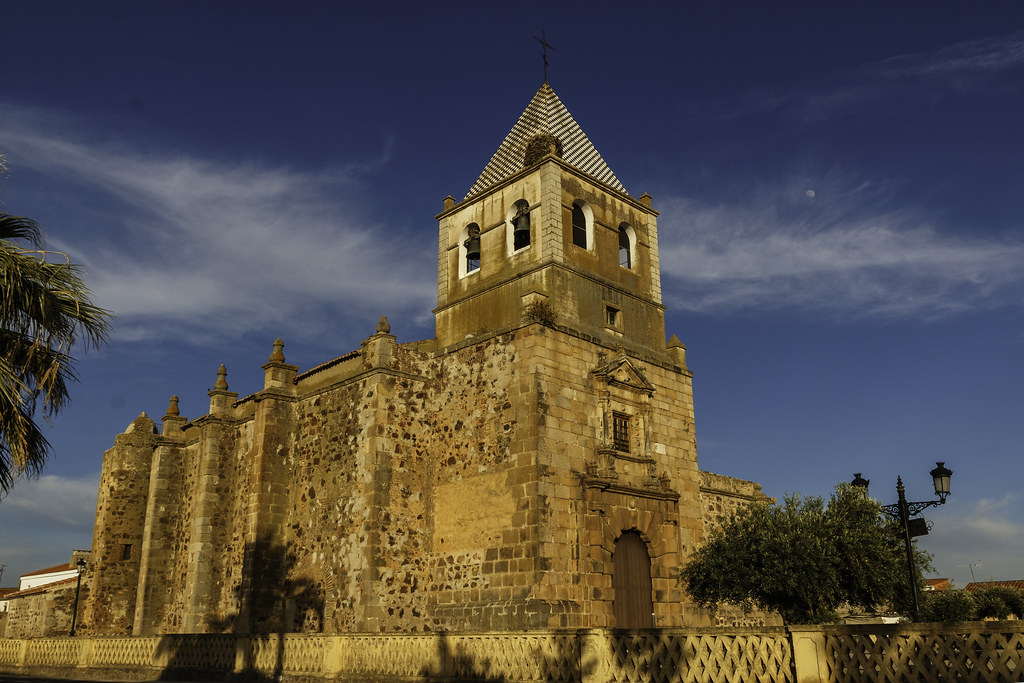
(532, 466)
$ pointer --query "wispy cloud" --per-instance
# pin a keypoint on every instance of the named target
(42, 520)
(178, 245)
(987, 533)
(53, 502)
(986, 65)
(782, 248)
(978, 57)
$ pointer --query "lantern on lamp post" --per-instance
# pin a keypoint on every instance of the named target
(905, 512)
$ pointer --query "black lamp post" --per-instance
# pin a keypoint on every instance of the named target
(80, 566)
(904, 509)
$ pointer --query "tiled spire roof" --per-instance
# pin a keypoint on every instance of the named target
(545, 114)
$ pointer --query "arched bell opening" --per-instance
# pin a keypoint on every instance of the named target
(469, 250)
(520, 225)
(582, 224)
(627, 246)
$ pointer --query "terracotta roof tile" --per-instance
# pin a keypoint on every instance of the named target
(979, 585)
(327, 364)
(41, 589)
(63, 567)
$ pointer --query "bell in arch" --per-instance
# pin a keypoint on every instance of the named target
(521, 225)
(473, 248)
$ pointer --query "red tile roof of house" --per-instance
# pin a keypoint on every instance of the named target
(978, 585)
(938, 584)
(63, 567)
(41, 589)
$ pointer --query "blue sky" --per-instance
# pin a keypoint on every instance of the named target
(839, 184)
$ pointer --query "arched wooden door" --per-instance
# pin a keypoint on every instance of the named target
(631, 581)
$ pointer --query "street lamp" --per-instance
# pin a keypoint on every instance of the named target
(904, 509)
(80, 566)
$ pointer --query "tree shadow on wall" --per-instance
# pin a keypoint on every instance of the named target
(456, 665)
(646, 654)
(272, 598)
(560, 662)
(662, 655)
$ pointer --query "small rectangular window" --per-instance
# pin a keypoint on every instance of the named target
(126, 551)
(620, 431)
(612, 316)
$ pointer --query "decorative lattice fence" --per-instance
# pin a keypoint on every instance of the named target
(668, 656)
(982, 652)
(10, 652)
(132, 653)
(58, 652)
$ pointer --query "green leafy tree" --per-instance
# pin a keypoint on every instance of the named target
(45, 310)
(948, 606)
(803, 559)
(998, 602)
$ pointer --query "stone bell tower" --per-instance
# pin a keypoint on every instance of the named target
(548, 253)
(548, 230)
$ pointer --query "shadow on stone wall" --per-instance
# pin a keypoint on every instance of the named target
(458, 666)
(270, 600)
(272, 596)
(533, 664)
(648, 652)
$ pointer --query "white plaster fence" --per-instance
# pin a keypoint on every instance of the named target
(982, 652)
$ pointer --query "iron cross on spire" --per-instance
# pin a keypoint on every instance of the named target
(543, 40)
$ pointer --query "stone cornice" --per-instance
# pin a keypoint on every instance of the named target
(605, 484)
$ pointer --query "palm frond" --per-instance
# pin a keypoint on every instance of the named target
(45, 311)
(20, 228)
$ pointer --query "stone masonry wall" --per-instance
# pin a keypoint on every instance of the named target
(44, 612)
(118, 534)
(328, 480)
(722, 497)
(465, 489)
(175, 529)
(658, 498)
(390, 534)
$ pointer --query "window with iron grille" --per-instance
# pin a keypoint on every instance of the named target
(620, 431)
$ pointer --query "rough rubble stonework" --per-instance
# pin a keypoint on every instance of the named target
(478, 481)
